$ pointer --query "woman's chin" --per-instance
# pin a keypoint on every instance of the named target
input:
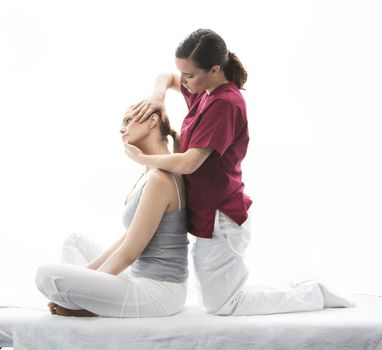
(128, 140)
(132, 143)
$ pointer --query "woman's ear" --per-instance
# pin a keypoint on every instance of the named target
(215, 69)
(154, 119)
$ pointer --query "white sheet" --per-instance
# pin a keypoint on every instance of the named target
(338, 329)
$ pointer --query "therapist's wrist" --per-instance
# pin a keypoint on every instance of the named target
(142, 158)
(160, 94)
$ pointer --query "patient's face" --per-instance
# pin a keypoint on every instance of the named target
(132, 131)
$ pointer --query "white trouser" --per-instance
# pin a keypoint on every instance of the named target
(221, 271)
(77, 287)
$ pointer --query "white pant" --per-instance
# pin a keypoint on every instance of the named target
(222, 274)
(77, 287)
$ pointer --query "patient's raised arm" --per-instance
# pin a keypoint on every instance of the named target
(143, 109)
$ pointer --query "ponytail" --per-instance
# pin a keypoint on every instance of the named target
(234, 70)
(205, 48)
(176, 141)
(165, 129)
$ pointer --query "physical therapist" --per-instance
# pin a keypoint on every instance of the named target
(213, 142)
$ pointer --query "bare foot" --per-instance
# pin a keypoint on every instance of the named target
(52, 308)
(59, 310)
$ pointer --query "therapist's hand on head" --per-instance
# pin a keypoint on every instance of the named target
(145, 108)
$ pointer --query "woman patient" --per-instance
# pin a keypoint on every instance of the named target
(144, 273)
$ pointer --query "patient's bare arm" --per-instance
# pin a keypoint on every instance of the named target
(97, 262)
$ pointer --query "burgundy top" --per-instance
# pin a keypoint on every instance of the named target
(217, 120)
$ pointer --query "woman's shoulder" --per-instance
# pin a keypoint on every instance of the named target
(159, 177)
(170, 187)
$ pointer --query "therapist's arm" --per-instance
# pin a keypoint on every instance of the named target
(180, 163)
(143, 109)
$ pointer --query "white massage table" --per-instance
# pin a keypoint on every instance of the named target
(355, 328)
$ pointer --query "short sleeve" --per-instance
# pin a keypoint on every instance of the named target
(216, 128)
(188, 96)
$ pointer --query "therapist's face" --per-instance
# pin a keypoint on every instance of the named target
(192, 78)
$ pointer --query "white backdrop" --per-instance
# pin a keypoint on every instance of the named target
(69, 69)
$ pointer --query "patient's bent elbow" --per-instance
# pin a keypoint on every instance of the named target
(128, 261)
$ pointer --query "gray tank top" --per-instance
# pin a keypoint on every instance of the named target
(165, 256)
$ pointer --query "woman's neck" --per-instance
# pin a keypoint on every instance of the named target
(153, 149)
(220, 80)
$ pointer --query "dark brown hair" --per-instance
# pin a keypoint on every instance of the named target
(205, 49)
(165, 129)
